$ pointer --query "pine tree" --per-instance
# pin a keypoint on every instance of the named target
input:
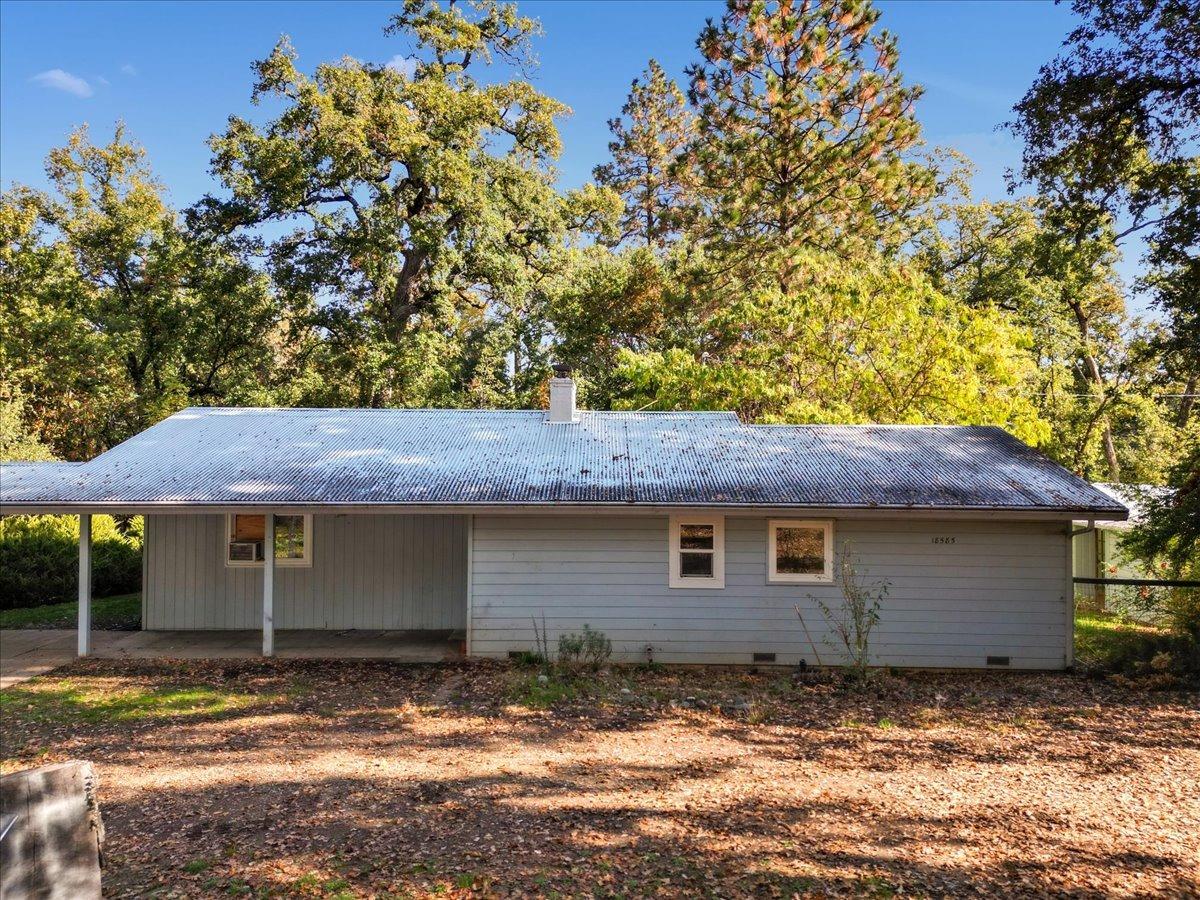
(803, 130)
(646, 152)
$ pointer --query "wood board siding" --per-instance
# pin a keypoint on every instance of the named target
(1001, 589)
(1085, 563)
(368, 572)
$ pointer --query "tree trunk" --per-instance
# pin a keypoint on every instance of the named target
(1110, 450)
(1186, 404)
(1092, 368)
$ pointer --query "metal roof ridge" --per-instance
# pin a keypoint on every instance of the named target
(43, 462)
(722, 413)
(860, 425)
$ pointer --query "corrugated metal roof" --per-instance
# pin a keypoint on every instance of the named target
(1133, 497)
(479, 457)
(20, 479)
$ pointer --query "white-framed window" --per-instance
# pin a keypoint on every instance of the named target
(697, 551)
(245, 536)
(800, 550)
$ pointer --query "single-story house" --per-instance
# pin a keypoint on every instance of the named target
(688, 537)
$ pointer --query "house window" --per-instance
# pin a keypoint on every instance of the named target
(697, 552)
(247, 534)
(800, 551)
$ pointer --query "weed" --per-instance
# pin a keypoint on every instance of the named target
(527, 659)
(544, 691)
(854, 619)
(760, 714)
(196, 866)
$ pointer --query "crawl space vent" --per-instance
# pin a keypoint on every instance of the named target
(764, 657)
(997, 660)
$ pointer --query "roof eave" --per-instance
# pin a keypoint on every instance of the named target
(1106, 514)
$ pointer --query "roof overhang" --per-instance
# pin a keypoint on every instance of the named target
(562, 508)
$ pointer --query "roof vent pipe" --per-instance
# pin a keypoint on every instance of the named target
(562, 395)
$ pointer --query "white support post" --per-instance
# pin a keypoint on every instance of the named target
(268, 606)
(85, 585)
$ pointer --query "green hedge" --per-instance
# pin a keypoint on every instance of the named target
(39, 559)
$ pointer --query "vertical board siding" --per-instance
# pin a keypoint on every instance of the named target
(1085, 563)
(368, 572)
(1001, 589)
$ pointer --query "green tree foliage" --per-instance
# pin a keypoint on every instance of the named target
(861, 341)
(1170, 536)
(393, 235)
(17, 441)
(39, 559)
(116, 315)
(1097, 372)
(602, 303)
(1109, 130)
(423, 207)
(803, 129)
(648, 168)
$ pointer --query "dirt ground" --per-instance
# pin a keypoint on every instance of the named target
(372, 779)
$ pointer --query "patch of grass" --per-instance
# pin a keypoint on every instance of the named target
(195, 866)
(530, 691)
(1108, 642)
(567, 684)
(761, 714)
(876, 886)
(120, 613)
(68, 701)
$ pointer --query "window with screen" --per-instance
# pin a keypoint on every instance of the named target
(800, 550)
(697, 551)
(247, 539)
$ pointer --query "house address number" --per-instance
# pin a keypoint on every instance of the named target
(944, 540)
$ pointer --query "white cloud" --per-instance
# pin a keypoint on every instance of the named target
(129, 70)
(405, 65)
(63, 81)
(102, 81)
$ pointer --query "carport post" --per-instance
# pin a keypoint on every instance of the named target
(85, 584)
(269, 584)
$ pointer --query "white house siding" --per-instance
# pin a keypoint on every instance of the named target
(368, 572)
(1001, 589)
(1085, 563)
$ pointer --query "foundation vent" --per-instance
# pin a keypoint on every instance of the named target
(764, 657)
(997, 660)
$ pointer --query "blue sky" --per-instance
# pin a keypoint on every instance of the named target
(175, 71)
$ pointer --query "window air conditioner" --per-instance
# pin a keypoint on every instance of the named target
(245, 551)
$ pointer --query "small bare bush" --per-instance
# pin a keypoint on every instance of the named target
(853, 620)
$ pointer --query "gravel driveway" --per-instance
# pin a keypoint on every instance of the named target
(372, 779)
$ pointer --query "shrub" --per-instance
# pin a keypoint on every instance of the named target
(1109, 645)
(855, 618)
(591, 648)
(1181, 609)
(39, 559)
